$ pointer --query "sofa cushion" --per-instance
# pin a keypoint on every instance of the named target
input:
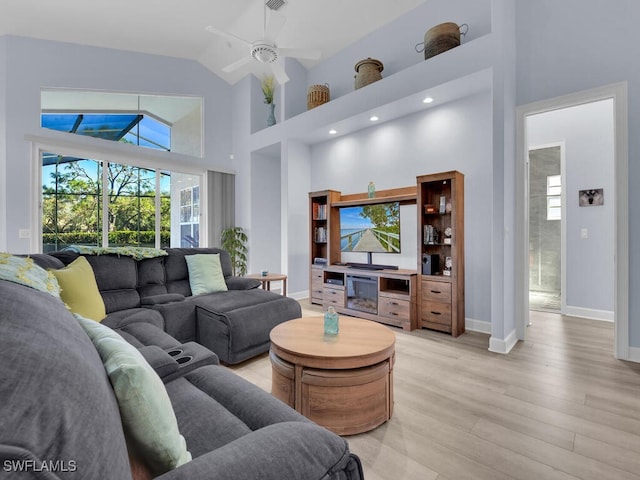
(151, 277)
(205, 273)
(236, 324)
(117, 279)
(145, 408)
(79, 289)
(57, 402)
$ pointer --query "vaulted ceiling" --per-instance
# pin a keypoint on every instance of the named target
(177, 28)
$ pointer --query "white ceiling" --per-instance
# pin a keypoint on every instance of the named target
(177, 28)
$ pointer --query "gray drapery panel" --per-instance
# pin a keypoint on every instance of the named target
(221, 204)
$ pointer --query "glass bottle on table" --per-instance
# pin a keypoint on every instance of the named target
(331, 322)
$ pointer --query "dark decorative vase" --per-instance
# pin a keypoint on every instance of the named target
(272, 114)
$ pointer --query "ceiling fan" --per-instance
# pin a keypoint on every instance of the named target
(265, 50)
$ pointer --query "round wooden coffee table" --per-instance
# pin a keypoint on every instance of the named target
(343, 382)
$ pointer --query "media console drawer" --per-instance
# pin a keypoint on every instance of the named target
(394, 308)
(436, 312)
(434, 291)
(333, 295)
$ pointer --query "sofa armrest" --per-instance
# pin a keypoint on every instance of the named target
(162, 299)
(241, 283)
(163, 363)
(291, 450)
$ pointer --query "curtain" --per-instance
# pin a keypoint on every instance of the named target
(220, 204)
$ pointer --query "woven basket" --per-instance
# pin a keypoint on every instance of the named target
(368, 71)
(441, 38)
(317, 95)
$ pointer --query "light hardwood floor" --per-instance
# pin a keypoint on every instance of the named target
(559, 406)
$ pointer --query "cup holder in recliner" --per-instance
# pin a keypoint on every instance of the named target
(175, 352)
(185, 359)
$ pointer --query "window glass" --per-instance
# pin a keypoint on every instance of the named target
(154, 121)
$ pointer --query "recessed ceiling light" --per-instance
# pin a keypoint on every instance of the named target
(374, 118)
(427, 100)
(332, 131)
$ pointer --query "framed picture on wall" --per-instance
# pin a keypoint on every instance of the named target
(591, 198)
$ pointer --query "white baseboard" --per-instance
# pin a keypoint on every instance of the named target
(590, 313)
(634, 354)
(498, 345)
(299, 295)
(477, 326)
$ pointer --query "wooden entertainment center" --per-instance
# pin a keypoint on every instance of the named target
(431, 296)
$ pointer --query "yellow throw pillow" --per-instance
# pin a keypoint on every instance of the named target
(79, 290)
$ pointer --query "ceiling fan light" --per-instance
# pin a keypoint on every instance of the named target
(264, 53)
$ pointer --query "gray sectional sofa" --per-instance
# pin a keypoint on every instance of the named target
(235, 324)
(59, 417)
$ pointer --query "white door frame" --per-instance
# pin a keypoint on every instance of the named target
(617, 92)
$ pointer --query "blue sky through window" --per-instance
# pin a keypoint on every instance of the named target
(142, 130)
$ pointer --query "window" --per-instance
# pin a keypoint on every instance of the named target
(163, 122)
(554, 197)
(190, 217)
(106, 203)
(76, 212)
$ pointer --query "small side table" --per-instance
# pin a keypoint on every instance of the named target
(271, 277)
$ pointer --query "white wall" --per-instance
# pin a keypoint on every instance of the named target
(32, 64)
(296, 174)
(454, 136)
(266, 218)
(573, 45)
(587, 132)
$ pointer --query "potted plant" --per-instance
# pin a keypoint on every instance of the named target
(234, 241)
(268, 85)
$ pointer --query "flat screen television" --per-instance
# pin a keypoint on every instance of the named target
(370, 228)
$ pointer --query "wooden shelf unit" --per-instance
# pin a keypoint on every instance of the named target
(323, 244)
(324, 222)
(395, 294)
(441, 305)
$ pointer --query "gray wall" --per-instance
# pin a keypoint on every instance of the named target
(573, 45)
(454, 136)
(32, 64)
(393, 44)
(264, 251)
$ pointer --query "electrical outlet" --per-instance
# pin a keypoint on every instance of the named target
(584, 233)
(24, 233)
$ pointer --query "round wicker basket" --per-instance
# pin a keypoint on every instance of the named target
(441, 38)
(368, 71)
(317, 95)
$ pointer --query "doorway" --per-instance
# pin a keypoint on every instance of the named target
(546, 228)
(579, 234)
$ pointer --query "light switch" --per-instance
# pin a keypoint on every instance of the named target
(584, 233)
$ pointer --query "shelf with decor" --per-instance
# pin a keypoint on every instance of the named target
(454, 74)
(440, 199)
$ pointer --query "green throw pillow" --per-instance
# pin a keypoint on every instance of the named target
(205, 273)
(23, 270)
(145, 408)
(79, 289)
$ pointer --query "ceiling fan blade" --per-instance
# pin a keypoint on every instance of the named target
(236, 65)
(227, 35)
(309, 53)
(276, 22)
(279, 73)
